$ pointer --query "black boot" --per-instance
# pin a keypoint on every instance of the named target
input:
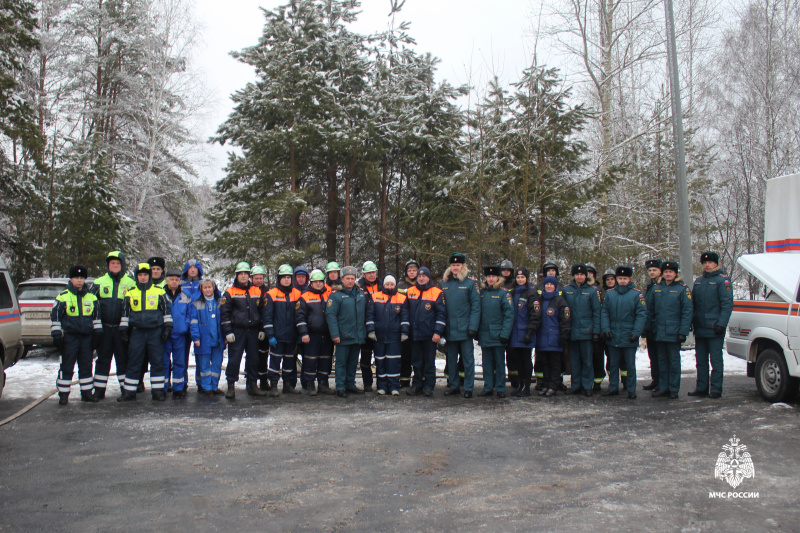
(99, 393)
(253, 390)
(525, 390)
(159, 395)
(127, 397)
(63, 398)
(264, 384)
(87, 396)
(231, 393)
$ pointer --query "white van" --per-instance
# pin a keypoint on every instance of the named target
(11, 348)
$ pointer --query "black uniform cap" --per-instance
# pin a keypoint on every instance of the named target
(157, 262)
(653, 263)
(709, 256)
(670, 265)
(624, 271)
(491, 270)
(78, 271)
(457, 257)
(579, 268)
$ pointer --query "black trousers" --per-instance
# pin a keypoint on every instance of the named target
(111, 345)
(520, 359)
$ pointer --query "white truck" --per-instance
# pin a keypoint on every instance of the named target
(766, 333)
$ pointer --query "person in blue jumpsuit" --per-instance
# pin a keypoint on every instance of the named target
(427, 319)
(670, 318)
(76, 328)
(713, 303)
(387, 327)
(191, 278)
(175, 345)
(209, 342)
(519, 348)
(550, 323)
(622, 320)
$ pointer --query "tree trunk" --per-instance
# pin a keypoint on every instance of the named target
(333, 212)
(347, 182)
(295, 216)
(384, 207)
(542, 233)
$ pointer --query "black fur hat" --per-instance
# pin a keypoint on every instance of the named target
(624, 271)
(579, 268)
(709, 256)
(78, 271)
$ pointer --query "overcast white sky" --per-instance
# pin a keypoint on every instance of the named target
(480, 36)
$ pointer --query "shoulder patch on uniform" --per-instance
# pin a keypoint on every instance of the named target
(330, 302)
(222, 301)
(566, 312)
(728, 285)
(688, 293)
(297, 305)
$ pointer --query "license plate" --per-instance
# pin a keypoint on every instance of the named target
(34, 316)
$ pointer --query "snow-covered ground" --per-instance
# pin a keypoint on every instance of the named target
(36, 374)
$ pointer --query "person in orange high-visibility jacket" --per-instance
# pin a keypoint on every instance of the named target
(279, 324)
(240, 310)
(387, 327)
(427, 318)
(316, 346)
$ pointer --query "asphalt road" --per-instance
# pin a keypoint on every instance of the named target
(374, 463)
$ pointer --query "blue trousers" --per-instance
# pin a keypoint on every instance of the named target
(467, 351)
(174, 350)
(145, 345)
(387, 363)
(615, 355)
(346, 365)
(283, 364)
(580, 359)
(709, 348)
(669, 366)
(209, 368)
(111, 345)
(76, 348)
(316, 358)
(423, 362)
(187, 348)
(494, 368)
(246, 342)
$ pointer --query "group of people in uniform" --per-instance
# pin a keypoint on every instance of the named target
(333, 317)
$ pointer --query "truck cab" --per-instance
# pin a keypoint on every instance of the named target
(766, 333)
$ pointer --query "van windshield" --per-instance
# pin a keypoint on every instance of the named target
(39, 292)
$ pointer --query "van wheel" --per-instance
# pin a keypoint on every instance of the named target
(772, 377)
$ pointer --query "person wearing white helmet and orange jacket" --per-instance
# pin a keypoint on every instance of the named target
(316, 346)
(279, 324)
(370, 284)
(240, 309)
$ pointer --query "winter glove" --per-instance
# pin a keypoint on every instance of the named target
(503, 341)
(262, 335)
(403, 337)
(58, 341)
(371, 336)
(719, 330)
(166, 334)
(527, 339)
(125, 336)
(633, 338)
(595, 338)
(681, 338)
(472, 334)
(230, 338)
(608, 335)
(273, 342)
(96, 341)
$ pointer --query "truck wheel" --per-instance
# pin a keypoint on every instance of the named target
(772, 377)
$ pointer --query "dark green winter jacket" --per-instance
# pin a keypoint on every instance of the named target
(713, 303)
(463, 305)
(623, 315)
(347, 315)
(671, 312)
(497, 315)
(584, 305)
